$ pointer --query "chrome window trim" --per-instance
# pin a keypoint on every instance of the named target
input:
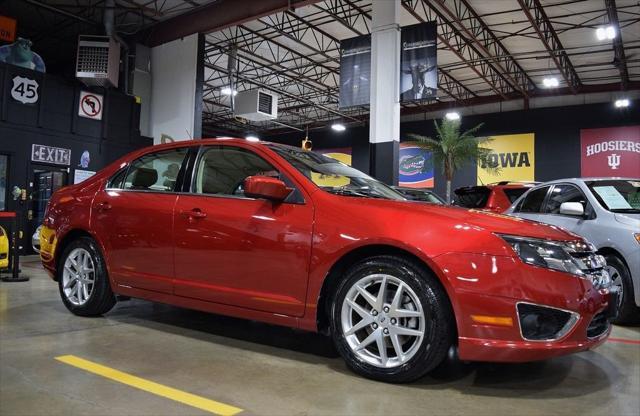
(564, 332)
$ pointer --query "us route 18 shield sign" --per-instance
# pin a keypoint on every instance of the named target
(90, 105)
(610, 152)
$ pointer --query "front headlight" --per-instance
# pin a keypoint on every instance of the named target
(551, 255)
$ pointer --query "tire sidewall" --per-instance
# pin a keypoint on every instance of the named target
(627, 307)
(101, 287)
(437, 324)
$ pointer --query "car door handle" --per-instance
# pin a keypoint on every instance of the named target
(195, 213)
(104, 206)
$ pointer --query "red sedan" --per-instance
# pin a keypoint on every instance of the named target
(273, 233)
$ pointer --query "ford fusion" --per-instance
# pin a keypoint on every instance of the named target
(276, 234)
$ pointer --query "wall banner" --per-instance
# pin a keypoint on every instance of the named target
(343, 155)
(418, 62)
(415, 167)
(355, 71)
(610, 152)
(514, 154)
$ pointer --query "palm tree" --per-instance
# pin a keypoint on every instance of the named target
(453, 149)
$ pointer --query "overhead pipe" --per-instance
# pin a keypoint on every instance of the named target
(109, 19)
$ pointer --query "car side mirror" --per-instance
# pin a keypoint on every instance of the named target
(266, 187)
(572, 208)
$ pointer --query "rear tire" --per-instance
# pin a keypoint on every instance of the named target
(410, 334)
(83, 280)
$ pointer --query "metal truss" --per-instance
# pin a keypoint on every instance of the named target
(620, 60)
(460, 13)
(549, 38)
(463, 48)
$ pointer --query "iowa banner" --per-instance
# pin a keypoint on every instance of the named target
(514, 154)
(610, 152)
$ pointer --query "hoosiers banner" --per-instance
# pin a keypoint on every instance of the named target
(415, 167)
(610, 152)
(514, 154)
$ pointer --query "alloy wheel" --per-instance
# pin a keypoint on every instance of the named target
(78, 277)
(616, 280)
(383, 320)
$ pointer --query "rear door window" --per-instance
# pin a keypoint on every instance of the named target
(533, 201)
(157, 172)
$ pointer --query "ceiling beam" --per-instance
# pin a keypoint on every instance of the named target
(486, 42)
(619, 60)
(549, 38)
(216, 16)
(459, 45)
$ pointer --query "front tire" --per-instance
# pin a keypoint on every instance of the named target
(391, 320)
(83, 280)
(628, 312)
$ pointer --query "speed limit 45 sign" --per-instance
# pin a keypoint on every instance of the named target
(25, 90)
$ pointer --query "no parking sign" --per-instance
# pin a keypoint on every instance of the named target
(90, 105)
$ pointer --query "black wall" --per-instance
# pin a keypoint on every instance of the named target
(557, 137)
(53, 121)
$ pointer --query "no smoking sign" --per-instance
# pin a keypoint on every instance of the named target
(90, 105)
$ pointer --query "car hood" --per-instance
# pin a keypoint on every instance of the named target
(479, 220)
(632, 220)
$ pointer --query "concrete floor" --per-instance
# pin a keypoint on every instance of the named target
(265, 369)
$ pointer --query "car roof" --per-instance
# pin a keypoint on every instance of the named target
(588, 179)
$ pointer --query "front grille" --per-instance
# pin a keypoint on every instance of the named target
(598, 326)
(542, 323)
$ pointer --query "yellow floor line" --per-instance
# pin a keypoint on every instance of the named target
(151, 387)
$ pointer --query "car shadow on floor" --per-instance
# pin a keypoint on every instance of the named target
(568, 376)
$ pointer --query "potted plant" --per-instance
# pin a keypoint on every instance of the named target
(453, 149)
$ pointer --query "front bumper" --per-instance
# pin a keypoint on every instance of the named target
(490, 287)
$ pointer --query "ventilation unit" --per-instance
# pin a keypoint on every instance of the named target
(98, 61)
(256, 105)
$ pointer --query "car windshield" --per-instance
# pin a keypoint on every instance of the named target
(420, 195)
(617, 195)
(334, 176)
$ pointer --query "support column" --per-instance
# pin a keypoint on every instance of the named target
(177, 72)
(384, 116)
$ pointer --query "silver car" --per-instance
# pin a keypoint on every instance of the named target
(605, 211)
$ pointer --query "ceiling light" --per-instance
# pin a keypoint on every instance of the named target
(252, 138)
(228, 91)
(338, 127)
(452, 115)
(550, 82)
(622, 103)
(604, 33)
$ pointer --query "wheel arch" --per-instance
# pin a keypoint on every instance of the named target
(68, 237)
(610, 250)
(335, 273)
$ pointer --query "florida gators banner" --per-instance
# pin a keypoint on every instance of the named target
(610, 152)
(514, 154)
(415, 167)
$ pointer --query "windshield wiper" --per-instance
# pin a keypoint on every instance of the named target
(353, 192)
(626, 210)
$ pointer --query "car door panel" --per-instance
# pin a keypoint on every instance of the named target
(241, 251)
(136, 230)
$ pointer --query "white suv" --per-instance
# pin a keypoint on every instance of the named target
(605, 211)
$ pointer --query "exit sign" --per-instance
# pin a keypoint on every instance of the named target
(7, 29)
(49, 154)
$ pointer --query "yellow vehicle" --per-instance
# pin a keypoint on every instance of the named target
(4, 249)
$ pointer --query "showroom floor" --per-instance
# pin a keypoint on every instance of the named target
(234, 365)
